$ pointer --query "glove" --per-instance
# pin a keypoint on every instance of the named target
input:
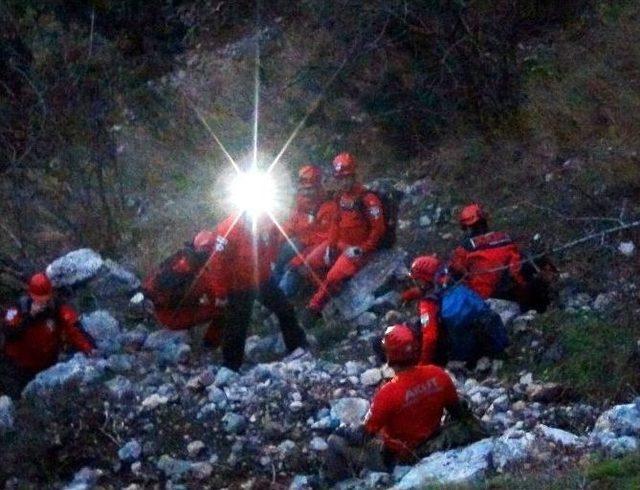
(353, 252)
(221, 302)
(329, 253)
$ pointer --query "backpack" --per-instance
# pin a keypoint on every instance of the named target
(460, 310)
(169, 283)
(390, 199)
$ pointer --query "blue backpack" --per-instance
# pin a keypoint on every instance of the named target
(460, 306)
(470, 324)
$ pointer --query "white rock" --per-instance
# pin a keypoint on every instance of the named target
(512, 447)
(104, 330)
(526, 379)
(371, 377)
(7, 414)
(558, 436)
(318, 444)
(350, 411)
(508, 310)
(154, 401)
(463, 466)
(201, 470)
(628, 249)
(621, 420)
(75, 267)
(195, 448)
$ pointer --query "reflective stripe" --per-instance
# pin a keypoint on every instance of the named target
(221, 243)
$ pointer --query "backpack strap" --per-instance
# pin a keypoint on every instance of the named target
(493, 239)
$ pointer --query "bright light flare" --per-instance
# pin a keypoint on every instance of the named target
(255, 192)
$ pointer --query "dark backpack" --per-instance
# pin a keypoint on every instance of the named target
(390, 199)
(169, 284)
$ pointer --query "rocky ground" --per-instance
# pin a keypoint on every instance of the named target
(155, 407)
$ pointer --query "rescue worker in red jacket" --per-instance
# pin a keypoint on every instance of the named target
(427, 272)
(35, 330)
(404, 420)
(197, 303)
(307, 227)
(241, 273)
(489, 261)
(357, 229)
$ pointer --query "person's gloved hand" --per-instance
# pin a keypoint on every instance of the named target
(353, 252)
(221, 302)
(329, 254)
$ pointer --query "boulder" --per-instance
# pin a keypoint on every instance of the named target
(508, 310)
(318, 444)
(169, 345)
(349, 411)
(361, 292)
(234, 423)
(130, 452)
(464, 466)
(79, 370)
(514, 446)
(371, 377)
(104, 330)
(113, 280)
(85, 479)
(618, 429)
(75, 267)
(7, 414)
(559, 437)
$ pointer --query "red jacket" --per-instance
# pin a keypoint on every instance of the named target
(478, 257)
(198, 305)
(359, 219)
(407, 410)
(34, 343)
(429, 308)
(310, 222)
(241, 262)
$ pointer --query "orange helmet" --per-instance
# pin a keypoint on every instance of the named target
(40, 287)
(204, 240)
(344, 165)
(309, 176)
(401, 345)
(471, 214)
(425, 268)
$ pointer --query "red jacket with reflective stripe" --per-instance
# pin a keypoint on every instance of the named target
(359, 219)
(429, 308)
(478, 257)
(310, 222)
(407, 410)
(34, 343)
(241, 262)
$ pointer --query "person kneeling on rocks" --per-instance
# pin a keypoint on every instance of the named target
(181, 290)
(32, 334)
(403, 424)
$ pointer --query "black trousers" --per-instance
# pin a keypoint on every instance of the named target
(13, 379)
(238, 315)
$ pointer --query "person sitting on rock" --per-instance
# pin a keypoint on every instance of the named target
(307, 227)
(403, 424)
(488, 261)
(456, 324)
(34, 332)
(241, 255)
(492, 264)
(181, 290)
(356, 232)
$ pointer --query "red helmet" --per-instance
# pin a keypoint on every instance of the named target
(425, 268)
(309, 176)
(471, 214)
(344, 165)
(204, 240)
(400, 345)
(40, 287)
